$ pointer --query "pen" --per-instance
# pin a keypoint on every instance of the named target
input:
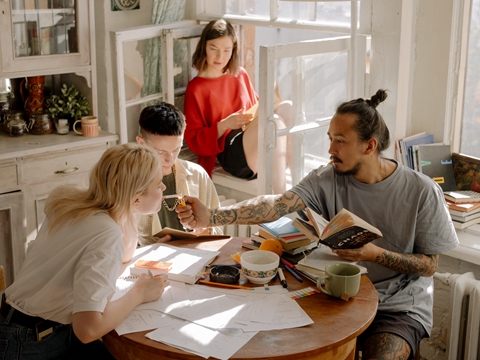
(150, 273)
(287, 264)
(224, 285)
(295, 275)
(282, 277)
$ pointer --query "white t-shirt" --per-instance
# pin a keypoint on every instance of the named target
(410, 211)
(72, 269)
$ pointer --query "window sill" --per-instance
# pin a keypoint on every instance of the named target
(469, 247)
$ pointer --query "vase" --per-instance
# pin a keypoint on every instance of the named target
(35, 99)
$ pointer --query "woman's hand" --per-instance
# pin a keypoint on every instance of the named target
(234, 121)
(151, 289)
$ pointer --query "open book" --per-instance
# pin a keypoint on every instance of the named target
(344, 231)
(184, 264)
(254, 111)
(182, 235)
(314, 263)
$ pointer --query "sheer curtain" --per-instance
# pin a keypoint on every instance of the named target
(163, 11)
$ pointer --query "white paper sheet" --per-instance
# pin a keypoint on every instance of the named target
(200, 340)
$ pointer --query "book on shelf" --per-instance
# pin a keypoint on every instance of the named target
(185, 264)
(405, 146)
(315, 262)
(462, 196)
(345, 231)
(182, 235)
(466, 217)
(463, 207)
(463, 225)
(280, 228)
(435, 161)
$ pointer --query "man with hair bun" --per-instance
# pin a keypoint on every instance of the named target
(408, 207)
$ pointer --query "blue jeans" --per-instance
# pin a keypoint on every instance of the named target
(20, 343)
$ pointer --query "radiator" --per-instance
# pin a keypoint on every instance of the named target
(464, 317)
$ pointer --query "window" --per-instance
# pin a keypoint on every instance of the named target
(324, 65)
(470, 122)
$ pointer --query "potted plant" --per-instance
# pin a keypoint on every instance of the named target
(70, 104)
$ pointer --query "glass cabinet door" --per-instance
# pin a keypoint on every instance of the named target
(43, 27)
(45, 35)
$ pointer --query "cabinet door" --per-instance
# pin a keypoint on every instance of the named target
(12, 234)
(36, 195)
(45, 36)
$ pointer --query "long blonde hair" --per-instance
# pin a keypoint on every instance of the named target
(122, 173)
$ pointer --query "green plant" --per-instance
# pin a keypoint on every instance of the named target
(70, 104)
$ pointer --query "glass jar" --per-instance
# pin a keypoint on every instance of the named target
(4, 104)
(40, 124)
(17, 128)
(15, 115)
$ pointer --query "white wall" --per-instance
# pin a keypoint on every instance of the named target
(107, 20)
(432, 40)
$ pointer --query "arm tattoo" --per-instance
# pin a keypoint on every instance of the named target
(417, 264)
(261, 209)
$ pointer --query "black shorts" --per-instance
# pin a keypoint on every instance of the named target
(398, 323)
(233, 158)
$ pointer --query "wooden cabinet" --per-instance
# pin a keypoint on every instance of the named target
(12, 233)
(45, 37)
(52, 38)
(30, 168)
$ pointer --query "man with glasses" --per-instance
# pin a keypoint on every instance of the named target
(162, 127)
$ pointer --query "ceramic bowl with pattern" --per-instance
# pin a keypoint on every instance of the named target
(259, 266)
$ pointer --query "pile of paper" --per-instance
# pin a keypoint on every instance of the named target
(209, 321)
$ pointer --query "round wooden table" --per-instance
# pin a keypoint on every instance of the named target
(337, 323)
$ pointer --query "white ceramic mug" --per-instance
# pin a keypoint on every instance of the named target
(89, 126)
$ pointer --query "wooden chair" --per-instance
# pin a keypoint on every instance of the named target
(3, 285)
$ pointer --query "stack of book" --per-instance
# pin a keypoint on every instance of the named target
(464, 207)
(404, 148)
(294, 242)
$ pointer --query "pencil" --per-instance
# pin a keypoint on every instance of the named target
(224, 285)
(294, 274)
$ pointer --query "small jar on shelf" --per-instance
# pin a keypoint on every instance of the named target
(40, 124)
(12, 115)
(17, 127)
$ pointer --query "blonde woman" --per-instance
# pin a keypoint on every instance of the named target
(59, 305)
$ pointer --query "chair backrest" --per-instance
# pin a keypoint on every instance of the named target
(3, 285)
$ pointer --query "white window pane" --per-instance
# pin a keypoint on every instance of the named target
(328, 13)
(470, 135)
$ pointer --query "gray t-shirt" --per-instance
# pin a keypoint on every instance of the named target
(410, 211)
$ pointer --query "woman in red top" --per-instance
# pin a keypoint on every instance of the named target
(215, 104)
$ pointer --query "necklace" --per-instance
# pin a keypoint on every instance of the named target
(165, 205)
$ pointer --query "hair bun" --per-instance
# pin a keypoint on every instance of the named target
(376, 99)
